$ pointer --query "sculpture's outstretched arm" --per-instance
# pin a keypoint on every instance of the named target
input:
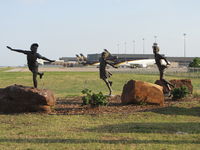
(17, 50)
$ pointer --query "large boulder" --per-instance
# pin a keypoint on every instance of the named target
(18, 98)
(177, 84)
(183, 82)
(142, 92)
(165, 89)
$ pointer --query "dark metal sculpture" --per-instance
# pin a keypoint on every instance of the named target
(32, 56)
(106, 59)
(162, 63)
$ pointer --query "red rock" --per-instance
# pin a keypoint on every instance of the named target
(139, 91)
(18, 98)
(177, 84)
(183, 82)
(165, 89)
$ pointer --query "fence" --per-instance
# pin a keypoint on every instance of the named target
(179, 71)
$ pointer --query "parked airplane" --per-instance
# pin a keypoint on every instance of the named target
(57, 62)
(78, 58)
(83, 60)
(142, 63)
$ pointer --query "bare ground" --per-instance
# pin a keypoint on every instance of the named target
(73, 106)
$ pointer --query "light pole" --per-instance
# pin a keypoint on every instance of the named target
(155, 38)
(184, 43)
(125, 49)
(118, 49)
(143, 45)
(133, 46)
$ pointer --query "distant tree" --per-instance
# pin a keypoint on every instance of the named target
(195, 62)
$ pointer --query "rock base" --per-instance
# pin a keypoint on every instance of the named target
(165, 89)
(142, 92)
(183, 82)
(177, 84)
(18, 99)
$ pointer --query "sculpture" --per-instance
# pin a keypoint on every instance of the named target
(32, 56)
(162, 63)
(106, 59)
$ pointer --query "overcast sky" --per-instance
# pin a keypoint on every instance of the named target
(66, 27)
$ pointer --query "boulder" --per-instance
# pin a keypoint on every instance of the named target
(165, 89)
(183, 82)
(18, 98)
(177, 84)
(142, 92)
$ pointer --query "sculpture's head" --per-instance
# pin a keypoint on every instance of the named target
(103, 55)
(155, 47)
(107, 55)
(34, 47)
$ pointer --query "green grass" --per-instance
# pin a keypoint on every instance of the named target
(175, 127)
(71, 83)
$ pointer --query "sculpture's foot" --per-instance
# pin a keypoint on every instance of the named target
(110, 82)
(169, 94)
(173, 85)
(110, 93)
(169, 88)
(41, 75)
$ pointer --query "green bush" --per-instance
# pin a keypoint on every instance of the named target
(179, 93)
(195, 62)
(94, 99)
(86, 99)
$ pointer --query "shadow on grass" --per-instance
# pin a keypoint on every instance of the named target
(89, 141)
(169, 128)
(69, 101)
(173, 110)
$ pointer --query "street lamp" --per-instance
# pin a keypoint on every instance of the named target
(118, 49)
(184, 44)
(133, 46)
(125, 49)
(155, 38)
(143, 45)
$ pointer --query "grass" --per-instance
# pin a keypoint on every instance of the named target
(175, 127)
(66, 84)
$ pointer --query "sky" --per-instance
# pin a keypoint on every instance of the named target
(63, 28)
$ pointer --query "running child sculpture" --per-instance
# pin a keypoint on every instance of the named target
(32, 63)
(106, 59)
(162, 63)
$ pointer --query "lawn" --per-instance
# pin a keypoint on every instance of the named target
(174, 127)
(65, 84)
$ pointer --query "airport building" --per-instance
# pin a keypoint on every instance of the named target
(93, 58)
(68, 59)
(182, 61)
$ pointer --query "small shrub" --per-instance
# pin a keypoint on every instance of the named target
(99, 99)
(94, 99)
(86, 99)
(179, 93)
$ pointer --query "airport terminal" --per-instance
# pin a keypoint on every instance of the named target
(93, 58)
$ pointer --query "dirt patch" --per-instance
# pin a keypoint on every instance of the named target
(73, 106)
